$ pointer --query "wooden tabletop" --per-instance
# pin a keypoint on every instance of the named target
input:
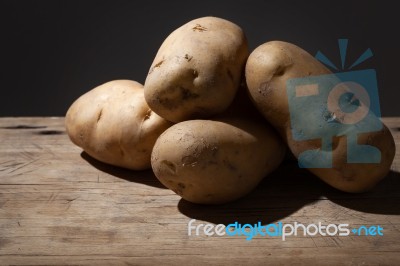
(59, 206)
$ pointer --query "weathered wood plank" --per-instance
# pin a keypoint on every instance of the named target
(58, 206)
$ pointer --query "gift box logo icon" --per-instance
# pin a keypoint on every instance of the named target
(334, 105)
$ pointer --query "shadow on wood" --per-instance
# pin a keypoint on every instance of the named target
(145, 177)
(279, 195)
(289, 189)
(383, 199)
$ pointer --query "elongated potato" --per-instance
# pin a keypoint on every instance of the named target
(197, 70)
(350, 150)
(214, 162)
(114, 124)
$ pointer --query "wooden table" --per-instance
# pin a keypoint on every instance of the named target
(59, 206)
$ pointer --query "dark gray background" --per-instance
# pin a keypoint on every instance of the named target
(54, 51)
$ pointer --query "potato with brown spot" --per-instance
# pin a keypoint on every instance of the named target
(268, 70)
(214, 162)
(197, 70)
(114, 124)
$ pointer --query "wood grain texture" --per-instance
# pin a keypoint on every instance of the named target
(58, 206)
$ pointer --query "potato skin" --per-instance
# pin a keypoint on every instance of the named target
(197, 70)
(114, 124)
(268, 69)
(215, 162)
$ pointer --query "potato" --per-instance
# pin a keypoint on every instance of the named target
(269, 69)
(114, 124)
(197, 70)
(215, 162)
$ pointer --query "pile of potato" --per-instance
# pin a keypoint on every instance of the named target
(210, 133)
